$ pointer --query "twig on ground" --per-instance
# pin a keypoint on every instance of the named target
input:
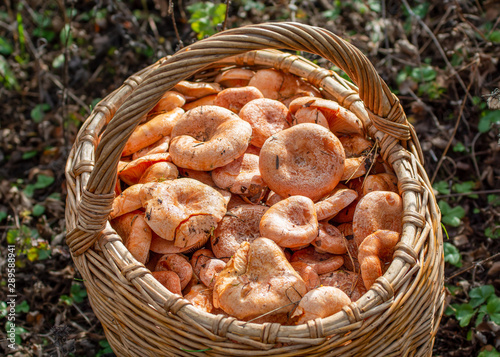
(172, 16)
(482, 192)
(228, 4)
(472, 266)
(439, 47)
(452, 135)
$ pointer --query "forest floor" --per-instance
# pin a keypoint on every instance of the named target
(59, 58)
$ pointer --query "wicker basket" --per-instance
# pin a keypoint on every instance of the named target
(399, 315)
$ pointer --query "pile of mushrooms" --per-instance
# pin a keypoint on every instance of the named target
(255, 197)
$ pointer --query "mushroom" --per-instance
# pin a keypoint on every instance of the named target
(169, 280)
(281, 86)
(340, 120)
(376, 248)
(291, 223)
(240, 224)
(208, 137)
(179, 265)
(329, 240)
(322, 263)
(377, 210)
(235, 98)
(336, 201)
(355, 144)
(150, 132)
(349, 282)
(135, 233)
(210, 270)
(258, 280)
(161, 146)
(308, 274)
(185, 211)
(196, 90)
(380, 182)
(200, 258)
(128, 201)
(241, 176)
(306, 160)
(320, 303)
(234, 77)
(310, 115)
(169, 101)
(208, 100)
(131, 172)
(201, 297)
(354, 167)
(267, 117)
(158, 172)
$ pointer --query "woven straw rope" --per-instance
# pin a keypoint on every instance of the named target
(154, 320)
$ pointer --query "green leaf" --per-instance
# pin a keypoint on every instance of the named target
(38, 210)
(493, 200)
(43, 181)
(3, 215)
(452, 254)
(464, 314)
(442, 187)
(492, 353)
(493, 309)
(481, 294)
(29, 154)
(66, 299)
(38, 112)
(494, 36)
(488, 117)
(19, 330)
(459, 147)
(77, 293)
(5, 47)
(58, 61)
(490, 233)
(44, 254)
(4, 310)
(12, 235)
(464, 187)
(453, 289)
(7, 77)
(451, 216)
(32, 254)
(55, 196)
(105, 348)
(66, 35)
(22, 307)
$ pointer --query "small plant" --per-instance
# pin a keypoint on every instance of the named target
(442, 187)
(465, 187)
(105, 348)
(483, 303)
(38, 112)
(76, 295)
(488, 119)
(452, 255)
(489, 353)
(205, 17)
(29, 244)
(451, 216)
(42, 181)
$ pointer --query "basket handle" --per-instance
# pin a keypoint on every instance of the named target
(383, 107)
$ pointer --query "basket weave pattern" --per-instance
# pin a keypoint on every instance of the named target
(399, 315)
